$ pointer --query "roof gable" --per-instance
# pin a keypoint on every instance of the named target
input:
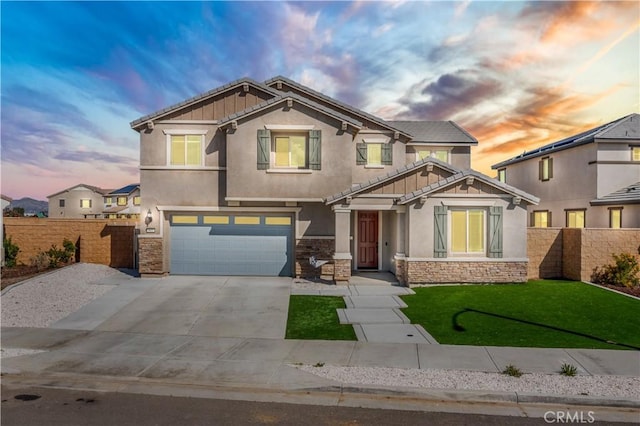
(334, 103)
(463, 176)
(627, 127)
(289, 97)
(380, 181)
(92, 188)
(203, 97)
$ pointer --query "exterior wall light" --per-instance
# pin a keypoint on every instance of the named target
(149, 218)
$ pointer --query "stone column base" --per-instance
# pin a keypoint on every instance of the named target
(401, 270)
(150, 257)
(342, 271)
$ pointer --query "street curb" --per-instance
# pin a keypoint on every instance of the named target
(275, 394)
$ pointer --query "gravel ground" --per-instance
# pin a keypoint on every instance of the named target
(45, 299)
(547, 384)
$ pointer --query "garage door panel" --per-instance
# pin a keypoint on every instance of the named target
(227, 249)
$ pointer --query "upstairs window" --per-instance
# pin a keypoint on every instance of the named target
(541, 219)
(502, 175)
(122, 201)
(374, 154)
(108, 200)
(185, 147)
(439, 154)
(85, 203)
(61, 203)
(575, 218)
(635, 153)
(545, 169)
(290, 151)
(615, 217)
(136, 200)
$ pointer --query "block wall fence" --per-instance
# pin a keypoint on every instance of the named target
(104, 241)
(573, 253)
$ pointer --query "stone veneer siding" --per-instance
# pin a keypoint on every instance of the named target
(322, 249)
(150, 256)
(457, 271)
(401, 271)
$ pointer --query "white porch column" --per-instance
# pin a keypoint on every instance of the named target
(342, 255)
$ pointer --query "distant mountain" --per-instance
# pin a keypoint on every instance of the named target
(31, 206)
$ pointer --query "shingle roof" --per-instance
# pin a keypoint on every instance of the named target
(435, 131)
(627, 127)
(336, 102)
(389, 176)
(283, 97)
(201, 97)
(90, 187)
(451, 180)
(626, 195)
(125, 189)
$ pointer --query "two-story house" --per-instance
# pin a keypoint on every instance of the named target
(123, 203)
(79, 201)
(590, 180)
(255, 178)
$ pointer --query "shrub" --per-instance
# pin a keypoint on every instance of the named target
(10, 252)
(61, 255)
(625, 271)
(40, 261)
(568, 370)
(511, 370)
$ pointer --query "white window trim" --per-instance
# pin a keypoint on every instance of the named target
(290, 127)
(483, 253)
(178, 132)
(375, 140)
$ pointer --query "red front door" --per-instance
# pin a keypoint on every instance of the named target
(368, 240)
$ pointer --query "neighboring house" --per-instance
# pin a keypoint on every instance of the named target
(5, 202)
(589, 180)
(123, 203)
(255, 178)
(79, 201)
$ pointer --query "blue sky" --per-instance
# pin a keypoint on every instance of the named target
(515, 74)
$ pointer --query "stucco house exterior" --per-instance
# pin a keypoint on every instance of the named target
(256, 178)
(123, 202)
(79, 201)
(588, 180)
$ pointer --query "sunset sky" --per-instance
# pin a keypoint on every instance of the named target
(516, 75)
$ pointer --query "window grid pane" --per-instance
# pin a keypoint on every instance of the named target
(545, 169)
(476, 231)
(615, 218)
(298, 151)
(177, 150)
(541, 219)
(576, 219)
(282, 152)
(636, 153)
(442, 155)
(374, 154)
(194, 152)
(458, 231)
(423, 153)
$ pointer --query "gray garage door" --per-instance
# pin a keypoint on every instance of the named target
(231, 245)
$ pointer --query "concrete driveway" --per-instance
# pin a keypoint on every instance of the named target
(190, 305)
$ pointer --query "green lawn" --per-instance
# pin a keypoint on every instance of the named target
(315, 318)
(542, 313)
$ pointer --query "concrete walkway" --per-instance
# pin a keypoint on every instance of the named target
(373, 308)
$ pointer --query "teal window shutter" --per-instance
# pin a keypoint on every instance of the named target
(264, 148)
(315, 139)
(495, 231)
(440, 231)
(361, 153)
(387, 154)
